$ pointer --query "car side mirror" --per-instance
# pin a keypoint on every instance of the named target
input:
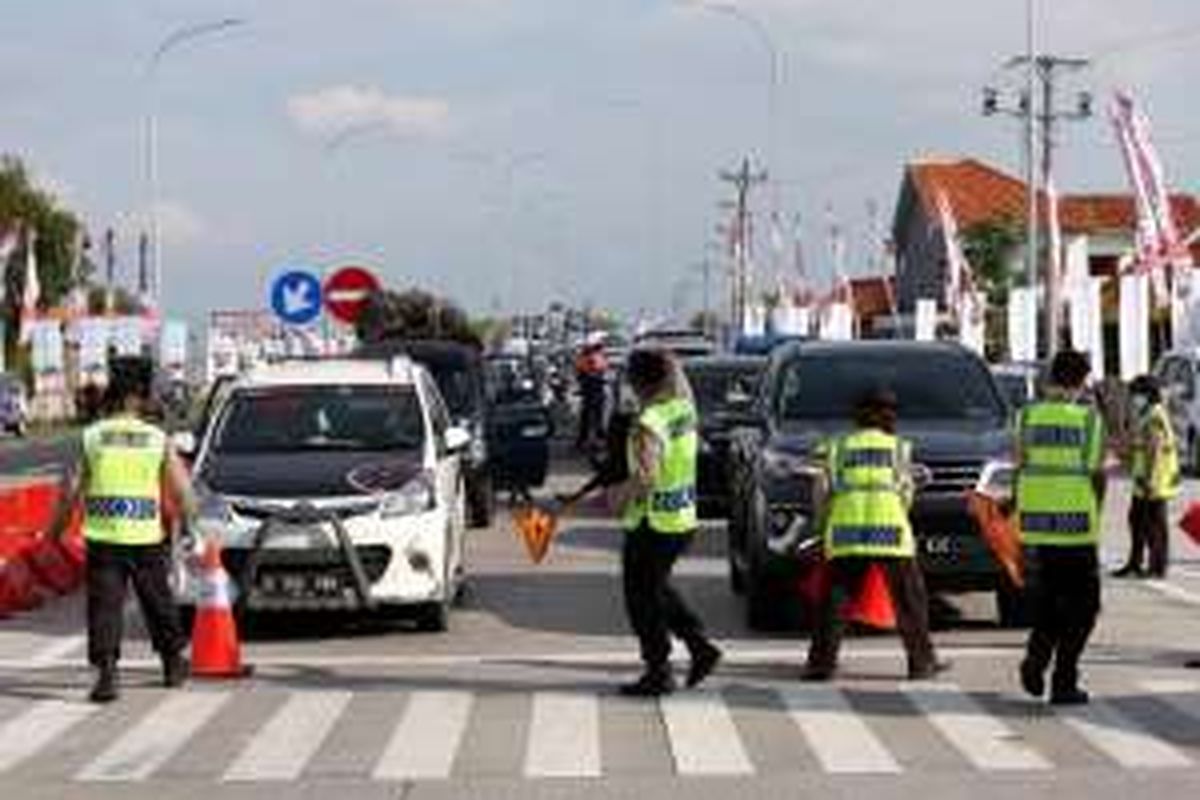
(457, 439)
(184, 443)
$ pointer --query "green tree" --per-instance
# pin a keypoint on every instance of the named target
(57, 234)
(989, 247)
(413, 314)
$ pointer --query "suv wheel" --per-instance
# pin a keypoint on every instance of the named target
(1192, 457)
(772, 604)
(433, 617)
(481, 499)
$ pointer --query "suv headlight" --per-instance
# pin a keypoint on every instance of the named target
(414, 497)
(214, 515)
(781, 464)
(997, 479)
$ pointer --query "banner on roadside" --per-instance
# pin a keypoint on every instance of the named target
(925, 324)
(1135, 325)
(1022, 325)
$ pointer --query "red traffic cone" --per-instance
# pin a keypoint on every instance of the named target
(216, 652)
(873, 605)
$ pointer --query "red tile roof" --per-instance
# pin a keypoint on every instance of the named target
(978, 192)
(873, 296)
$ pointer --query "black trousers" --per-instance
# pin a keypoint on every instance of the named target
(1149, 531)
(906, 584)
(654, 607)
(1065, 592)
(110, 568)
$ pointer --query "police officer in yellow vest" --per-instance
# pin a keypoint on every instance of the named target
(1155, 473)
(658, 509)
(124, 463)
(866, 522)
(1059, 495)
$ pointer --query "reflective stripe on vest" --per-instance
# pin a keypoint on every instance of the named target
(1061, 445)
(671, 505)
(868, 514)
(124, 459)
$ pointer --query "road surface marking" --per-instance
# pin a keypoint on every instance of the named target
(1179, 694)
(156, 738)
(838, 737)
(61, 648)
(702, 735)
(985, 741)
(427, 737)
(26, 734)
(285, 744)
(564, 736)
(1109, 731)
(1174, 592)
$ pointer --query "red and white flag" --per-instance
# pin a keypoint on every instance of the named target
(10, 240)
(31, 288)
(1157, 240)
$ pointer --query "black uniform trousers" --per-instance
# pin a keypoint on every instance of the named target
(906, 584)
(654, 607)
(110, 568)
(1149, 531)
(1064, 585)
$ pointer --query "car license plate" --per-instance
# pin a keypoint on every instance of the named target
(301, 584)
(938, 546)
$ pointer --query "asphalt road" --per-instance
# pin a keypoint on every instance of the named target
(517, 701)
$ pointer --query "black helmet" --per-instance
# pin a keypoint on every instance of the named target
(1147, 386)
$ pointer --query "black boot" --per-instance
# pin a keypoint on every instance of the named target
(105, 690)
(653, 683)
(1127, 571)
(1033, 680)
(1073, 696)
(175, 671)
(705, 657)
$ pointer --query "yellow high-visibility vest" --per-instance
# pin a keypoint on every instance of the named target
(670, 506)
(868, 512)
(1061, 446)
(124, 457)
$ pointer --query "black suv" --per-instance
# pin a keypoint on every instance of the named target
(950, 409)
(458, 370)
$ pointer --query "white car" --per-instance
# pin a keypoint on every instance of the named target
(1178, 373)
(334, 485)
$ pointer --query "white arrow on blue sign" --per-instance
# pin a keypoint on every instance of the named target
(296, 297)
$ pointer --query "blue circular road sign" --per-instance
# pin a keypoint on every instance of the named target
(296, 297)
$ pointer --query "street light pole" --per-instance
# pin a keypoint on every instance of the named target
(176, 38)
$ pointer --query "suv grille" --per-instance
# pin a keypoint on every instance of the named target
(952, 477)
(260, 511)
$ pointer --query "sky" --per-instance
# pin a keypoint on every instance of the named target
(511, 152)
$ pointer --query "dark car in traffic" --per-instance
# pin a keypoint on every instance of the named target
(949, 408)
(520, 424)
(724, 388)
(458, 370)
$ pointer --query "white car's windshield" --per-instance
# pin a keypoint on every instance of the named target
(286, 419)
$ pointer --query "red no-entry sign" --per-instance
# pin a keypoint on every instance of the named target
(346, 292)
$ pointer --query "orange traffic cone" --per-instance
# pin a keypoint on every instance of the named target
(873, 605)
(216, 652)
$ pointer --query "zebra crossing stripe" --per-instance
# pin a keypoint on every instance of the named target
(702, 735)
(985, 741)
(1118, 737)
(290, 738)
(838, 737)
(26, 734)
(158, 736)
(1182, 695)
(564, 736)
(427, 737)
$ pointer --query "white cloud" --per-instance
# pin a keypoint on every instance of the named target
(179, 225)
(338, 109)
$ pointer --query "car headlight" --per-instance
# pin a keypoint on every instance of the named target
(996, 479)
(781, 464)
(214, 515)
(538, 430)
(414, 497)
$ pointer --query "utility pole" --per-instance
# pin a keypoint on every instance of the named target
(1045, 69)
(743, 180)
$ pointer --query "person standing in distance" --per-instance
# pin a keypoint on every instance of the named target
(870, 488)
(1154, 469)
(658, 511)
(126, 462)
(1059, 495)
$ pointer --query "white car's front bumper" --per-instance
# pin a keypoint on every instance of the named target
(303, 566)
